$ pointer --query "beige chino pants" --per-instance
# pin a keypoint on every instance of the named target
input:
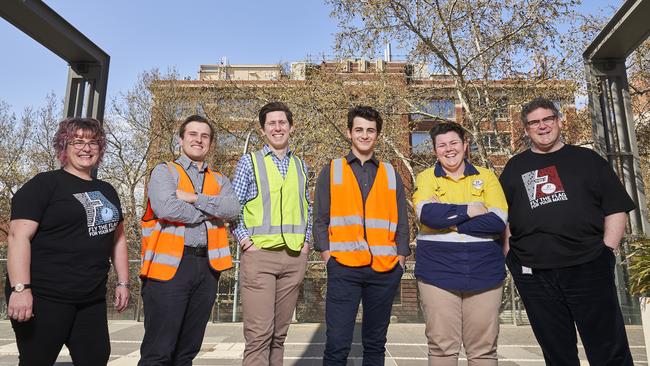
(270, 283)
(454, 319)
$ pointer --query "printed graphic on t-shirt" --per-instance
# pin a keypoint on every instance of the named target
(543, 186)
(102, 216)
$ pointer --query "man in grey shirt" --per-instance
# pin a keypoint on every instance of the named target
(184, 248)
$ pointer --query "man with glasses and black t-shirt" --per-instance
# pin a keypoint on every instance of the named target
(567, 213)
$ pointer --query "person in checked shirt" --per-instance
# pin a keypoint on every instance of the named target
(273, 231)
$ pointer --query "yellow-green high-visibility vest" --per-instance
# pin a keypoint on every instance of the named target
(277, 216)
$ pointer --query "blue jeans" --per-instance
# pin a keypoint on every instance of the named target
(346, 286)
(584, 296)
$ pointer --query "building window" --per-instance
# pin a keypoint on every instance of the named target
(435, 108)
(421, 142)
(490, 141)
(493, 108)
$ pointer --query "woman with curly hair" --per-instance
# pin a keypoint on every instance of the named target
(65, 225)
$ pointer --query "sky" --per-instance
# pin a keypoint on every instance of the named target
(140, 35)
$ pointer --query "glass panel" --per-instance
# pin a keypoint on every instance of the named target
(490, 141)
(421, 143)
(440, 108)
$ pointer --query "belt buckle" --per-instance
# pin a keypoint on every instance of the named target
(196, 251)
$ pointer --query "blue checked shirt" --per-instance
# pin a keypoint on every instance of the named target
(245, 188)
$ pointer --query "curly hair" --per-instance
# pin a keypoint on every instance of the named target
(90, 128)
(365, 112)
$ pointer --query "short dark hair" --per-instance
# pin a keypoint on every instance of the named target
(195, 118)
(539, 102)
(444, 127)
(365, 112)
(275, 107)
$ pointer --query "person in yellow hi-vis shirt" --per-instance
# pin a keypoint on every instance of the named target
(460, 262)
(273, 230)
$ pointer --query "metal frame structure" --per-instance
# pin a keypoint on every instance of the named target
(610, 106)
(88, 64)
(610, 102)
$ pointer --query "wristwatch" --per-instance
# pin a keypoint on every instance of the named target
(20, 287)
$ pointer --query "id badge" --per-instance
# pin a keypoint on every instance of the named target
(526, 270)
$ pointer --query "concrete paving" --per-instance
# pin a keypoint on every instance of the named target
(224, 344)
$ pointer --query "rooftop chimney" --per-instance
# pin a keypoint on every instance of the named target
(387, 55)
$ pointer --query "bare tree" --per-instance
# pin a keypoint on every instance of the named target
(14, 160)
(25, 149)
(42, 123)
(498, 53)
(130, 139)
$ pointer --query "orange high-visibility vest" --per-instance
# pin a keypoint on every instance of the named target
(163, 241)
(348, 216)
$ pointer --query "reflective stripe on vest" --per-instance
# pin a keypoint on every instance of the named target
(163, 240)
(350, 244)
(277, 216)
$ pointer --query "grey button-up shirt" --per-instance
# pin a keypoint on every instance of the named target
(164, 203)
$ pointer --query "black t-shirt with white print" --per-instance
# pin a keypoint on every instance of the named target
(557, 205)
(72, 245)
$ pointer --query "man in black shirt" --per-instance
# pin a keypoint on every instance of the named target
(568, 213)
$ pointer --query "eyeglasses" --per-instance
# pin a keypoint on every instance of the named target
(547, 121)
(80, 145)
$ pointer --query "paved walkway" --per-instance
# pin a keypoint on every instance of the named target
(224, 344)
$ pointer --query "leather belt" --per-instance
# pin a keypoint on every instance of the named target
(196, 251)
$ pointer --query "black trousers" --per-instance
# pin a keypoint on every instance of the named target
(560, 300)
(81, 327)
(346, 286)
(176, 313)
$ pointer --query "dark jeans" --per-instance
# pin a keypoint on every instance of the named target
(176, 313)
(81, 327)
(346, 286)
(584, 296)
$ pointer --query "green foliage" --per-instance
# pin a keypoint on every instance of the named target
(639, 266)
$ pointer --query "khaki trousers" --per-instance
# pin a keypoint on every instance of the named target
(454, 318)
(270, 283)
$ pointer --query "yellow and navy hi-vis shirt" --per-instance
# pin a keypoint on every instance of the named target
(454, 251)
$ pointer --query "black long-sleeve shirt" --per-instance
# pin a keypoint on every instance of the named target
(365, 174)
